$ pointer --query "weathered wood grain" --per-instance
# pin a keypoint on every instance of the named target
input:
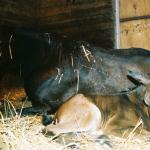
(134, 8)
(135, 34)
(17, 12)
(89, 20)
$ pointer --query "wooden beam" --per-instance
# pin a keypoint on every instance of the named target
(135, 18)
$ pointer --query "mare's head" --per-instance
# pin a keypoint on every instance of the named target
(143, 79)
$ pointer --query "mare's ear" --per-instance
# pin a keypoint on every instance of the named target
(147, 96)
(139, 77)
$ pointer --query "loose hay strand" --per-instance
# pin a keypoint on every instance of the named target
(10, 50)
(2, 118)
(78, 73)
(86, 52)
(132, 132)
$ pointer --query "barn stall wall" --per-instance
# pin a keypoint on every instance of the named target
(135, 23)
(17, 12)
(13, 13)
(89, 20)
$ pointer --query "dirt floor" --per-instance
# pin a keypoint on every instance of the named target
(24, 133)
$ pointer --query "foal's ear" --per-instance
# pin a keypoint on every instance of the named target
(140, 77)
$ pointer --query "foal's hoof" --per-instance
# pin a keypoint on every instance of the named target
(46, 120)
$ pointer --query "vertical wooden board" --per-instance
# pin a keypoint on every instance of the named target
(135, 34)
(134, 8)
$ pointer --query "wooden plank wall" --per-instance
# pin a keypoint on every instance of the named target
(135, 23)
(17, 12)
(13, 13)
(89, 20)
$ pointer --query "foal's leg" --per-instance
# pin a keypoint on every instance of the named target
(76, 115)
